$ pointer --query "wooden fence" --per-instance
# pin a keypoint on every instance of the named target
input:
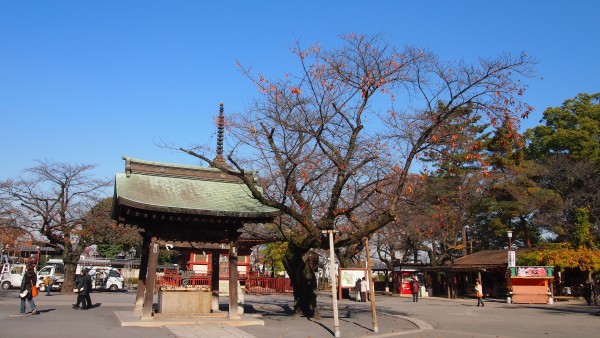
(268, 285)
(252, 284)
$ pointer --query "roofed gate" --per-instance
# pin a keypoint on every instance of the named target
(185, 207)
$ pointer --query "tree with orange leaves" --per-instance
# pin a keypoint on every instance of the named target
(516, 201)
(334, 143)
(457, 181)
(9, 231)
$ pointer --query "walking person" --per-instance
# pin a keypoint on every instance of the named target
(364, 287)
(357, 287)
(27, 284)
(454, 287)
(79, 289)
(479, 292)
(414, 289)
(87, 289)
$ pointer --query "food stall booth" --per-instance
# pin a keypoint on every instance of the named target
(531, 284)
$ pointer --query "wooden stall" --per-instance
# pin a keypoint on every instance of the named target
(531, 284)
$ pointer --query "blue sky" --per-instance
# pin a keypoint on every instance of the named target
(89, 82)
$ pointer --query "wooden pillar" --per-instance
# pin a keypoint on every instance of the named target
(214, 281)
(141, 289)
(184, 259)
(233, 282)
(371, 287)
(150, 278)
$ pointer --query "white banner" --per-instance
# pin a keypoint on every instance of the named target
(512, 260)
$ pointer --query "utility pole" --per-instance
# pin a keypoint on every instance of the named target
(336, 319)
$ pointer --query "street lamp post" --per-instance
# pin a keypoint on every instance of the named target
(131, 256)
(511, 254)
(511, 261)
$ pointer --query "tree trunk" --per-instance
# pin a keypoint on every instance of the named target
(299, 264)
(463, 234)
(434, 258)
(70, 259)
(526, 235)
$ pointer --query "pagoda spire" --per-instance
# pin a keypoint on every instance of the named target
(219, 160)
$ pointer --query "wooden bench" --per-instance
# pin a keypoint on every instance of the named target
(563, 298)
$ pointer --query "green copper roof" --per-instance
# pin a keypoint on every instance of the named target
(186, 189)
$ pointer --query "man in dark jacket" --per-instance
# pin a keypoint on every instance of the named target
(357, 287)
(80, 289)
(87, 289)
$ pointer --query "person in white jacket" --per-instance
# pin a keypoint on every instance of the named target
(364, 288)
(479, 292)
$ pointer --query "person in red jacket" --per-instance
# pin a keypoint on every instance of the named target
(414, 288)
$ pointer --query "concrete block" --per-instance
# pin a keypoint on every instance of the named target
(184, 302)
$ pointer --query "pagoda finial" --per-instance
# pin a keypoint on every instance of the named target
(220, 127)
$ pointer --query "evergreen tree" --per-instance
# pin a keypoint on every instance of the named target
(518, 204)
(571, 129)
(567, 148)
(457, 154)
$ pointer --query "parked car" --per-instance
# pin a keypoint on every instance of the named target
(106, 278)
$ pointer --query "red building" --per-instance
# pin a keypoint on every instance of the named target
(201, 264)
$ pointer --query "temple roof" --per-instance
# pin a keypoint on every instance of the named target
(181, 189)
(478, 261)
(487, 257)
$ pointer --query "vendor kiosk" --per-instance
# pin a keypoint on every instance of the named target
(531, 284)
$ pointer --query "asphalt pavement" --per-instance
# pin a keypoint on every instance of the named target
(396, 316)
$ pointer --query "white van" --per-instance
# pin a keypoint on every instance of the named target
(13, 277)
(56, 270)
(106, 278)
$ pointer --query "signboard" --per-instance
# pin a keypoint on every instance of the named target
(512, 260)
(532, 271)
(349, 276)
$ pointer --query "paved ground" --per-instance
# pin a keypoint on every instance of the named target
(396, 316)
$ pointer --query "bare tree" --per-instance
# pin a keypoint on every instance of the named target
(52, 199)
(10, 233)
(392, 245)
(325, 159)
